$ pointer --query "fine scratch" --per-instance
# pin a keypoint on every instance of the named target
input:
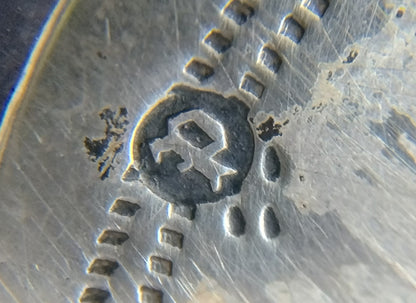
(48, 207)
(107, 31)
(175, 10)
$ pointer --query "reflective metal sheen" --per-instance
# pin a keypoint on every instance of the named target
(213, 151)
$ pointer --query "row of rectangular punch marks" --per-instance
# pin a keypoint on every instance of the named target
(268, 57)
(105, 266)
(200, 69)
(157, 264)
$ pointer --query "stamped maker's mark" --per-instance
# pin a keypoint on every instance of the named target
(194, 146)
(170, 140)
(197, 143)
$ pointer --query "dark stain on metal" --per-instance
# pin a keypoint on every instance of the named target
(351, 57)
(104, 150)
(269, 129)
(400, 12)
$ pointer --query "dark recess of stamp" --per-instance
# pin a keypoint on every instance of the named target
(150, 295)
(113, 237)
(318, 7)
(186, 211)
(199, 69)
(292, 29)
(124, 208)
(238, 11)
(271, 164)
(161, 265)
(191, 187)
(236, 221)
(218, 41)
(252, 86)
(171, 237)
(270, 59)
(102, 267)
(94, 295)
(271, 223)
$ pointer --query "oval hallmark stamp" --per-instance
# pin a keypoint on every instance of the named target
(194, 146)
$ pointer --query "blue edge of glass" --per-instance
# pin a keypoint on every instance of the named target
(22, 72)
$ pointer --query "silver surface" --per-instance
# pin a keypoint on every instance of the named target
(342, 104)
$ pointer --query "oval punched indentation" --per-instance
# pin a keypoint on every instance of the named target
(235, 223)
(271, 164)
(269, 224)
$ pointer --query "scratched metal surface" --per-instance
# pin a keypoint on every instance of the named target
(315, 202)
